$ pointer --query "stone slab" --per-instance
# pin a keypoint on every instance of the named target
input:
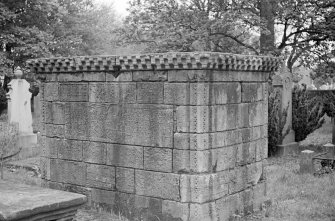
(22, 202)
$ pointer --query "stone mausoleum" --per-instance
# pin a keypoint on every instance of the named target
(174, 136)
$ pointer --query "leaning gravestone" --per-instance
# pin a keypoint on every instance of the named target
(176, 136)
(19, 109)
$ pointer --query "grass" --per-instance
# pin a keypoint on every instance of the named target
(298, 196)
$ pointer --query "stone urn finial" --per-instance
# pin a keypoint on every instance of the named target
(18, 73)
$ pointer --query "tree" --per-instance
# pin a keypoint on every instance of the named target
(304, 29)
(39, 28)
(324, 72)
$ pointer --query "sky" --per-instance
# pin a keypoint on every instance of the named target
(119, 5)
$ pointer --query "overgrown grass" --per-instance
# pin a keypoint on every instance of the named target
(298, 196)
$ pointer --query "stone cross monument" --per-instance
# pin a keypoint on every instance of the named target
(19, 109)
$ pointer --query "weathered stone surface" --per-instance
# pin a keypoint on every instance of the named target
(67, 172)
(53, 130)
(94, 76)
(261, 149)
(103, 196)
(200, 188)
(229, 206)
(186, 76)
(252, 92)
(177, 93)
(94, 152)
(77, 121)
(124, 76)
(158, 159)
(73, 92)
(100, 176)
(246, 153)
(255, 171)
(113, 93)
(50, 147)
(23, 202)
(69, 149)
(51, 92)
(150, 76)
(203, 212)
(125, 156)
(195, 119)
(66, 77)
(176, 210)
(45, 168)
(256, 114)
(150, 92)
(157, 184)
(224, 158)
(147, 125)
(191, 161)
(125, 180)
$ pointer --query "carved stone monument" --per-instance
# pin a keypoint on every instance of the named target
(175, 136)
(19, 109)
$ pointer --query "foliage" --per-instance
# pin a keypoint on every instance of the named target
(307, 112)
(39, 28)
(276, 121)
(3, 100)
(8, 142)
(324, 72)
(304, 29)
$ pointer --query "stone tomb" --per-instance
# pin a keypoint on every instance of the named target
(178, 136)
(20, 202)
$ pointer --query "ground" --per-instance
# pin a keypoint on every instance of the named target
(293, 196)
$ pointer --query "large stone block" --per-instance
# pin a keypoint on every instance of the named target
(157, 184)
(255, 172)
(51, 92)
(50, 147)
(100, 176)
(73, 92)
(252, 92)
(70, 149)
(125, 179)
(106, 197)
(54, 130)
(67, 171)
(94, 152)
(45, 168)
(173, 210)
(259, 195)
(69, 77)
(177, 93)
(246, 153)
(158, 159)
(191, 161)
(150, 92)
(94, 76)
(256, 114)
(113, 93)
(146, 125)
(197, 119)
(224, 158)
(150, 76)
(123, 77)
(77, 121)
(188, 75)
(203, 212)
(200, 188)
(229, 206)
(125, 156)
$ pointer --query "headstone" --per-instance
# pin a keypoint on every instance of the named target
(306, 161)
(19, 109)
(288, 146)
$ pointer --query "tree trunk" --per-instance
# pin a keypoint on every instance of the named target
(267, 38)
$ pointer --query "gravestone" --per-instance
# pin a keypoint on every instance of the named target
(19, 109)
(175, 136)
(283, 82)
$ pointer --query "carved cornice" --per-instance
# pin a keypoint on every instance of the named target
(164, 61)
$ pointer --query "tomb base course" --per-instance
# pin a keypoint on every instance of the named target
(176, 136)
(22, 202)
